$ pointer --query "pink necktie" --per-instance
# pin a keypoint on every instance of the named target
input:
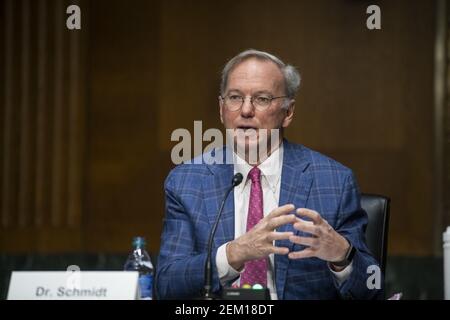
(255, 270)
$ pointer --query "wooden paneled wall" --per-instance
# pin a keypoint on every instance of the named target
(88, 114)
(446, 118)
(42, 127)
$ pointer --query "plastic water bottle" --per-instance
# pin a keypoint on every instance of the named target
(139, 260)
(446, 244)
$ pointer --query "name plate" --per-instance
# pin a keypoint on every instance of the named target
(80, 285)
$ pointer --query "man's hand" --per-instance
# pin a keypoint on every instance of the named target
(325, 243)
(258, 242)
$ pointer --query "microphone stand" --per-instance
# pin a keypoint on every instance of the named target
(207, 294)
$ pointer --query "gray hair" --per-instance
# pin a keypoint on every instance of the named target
(290, 74)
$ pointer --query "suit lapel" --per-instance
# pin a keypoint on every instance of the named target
(296, 183)
(215, 187)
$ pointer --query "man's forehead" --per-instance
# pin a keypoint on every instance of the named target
(256, 71)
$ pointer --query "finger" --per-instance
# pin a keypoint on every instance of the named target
(280, 250)
(281, 210)
(274, 223)
(306, 222)
(306, 253)
(306, 241)
(313, 215)
(279, 235)
(306, 227)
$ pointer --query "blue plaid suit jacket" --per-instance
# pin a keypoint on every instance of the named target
(309, 179)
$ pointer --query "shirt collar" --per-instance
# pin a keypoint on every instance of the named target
(270, 169)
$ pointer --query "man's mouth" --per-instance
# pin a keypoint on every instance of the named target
(245, 128)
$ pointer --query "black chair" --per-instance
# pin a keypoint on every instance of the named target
(377, 208)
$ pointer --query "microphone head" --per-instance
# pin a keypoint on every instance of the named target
(237, 179)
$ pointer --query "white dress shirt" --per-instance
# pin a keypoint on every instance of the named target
(271, 170)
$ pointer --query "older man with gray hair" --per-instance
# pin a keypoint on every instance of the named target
(294, 224)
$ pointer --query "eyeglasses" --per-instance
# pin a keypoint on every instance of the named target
(234, 102)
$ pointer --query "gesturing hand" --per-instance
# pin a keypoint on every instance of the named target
(325, 243)
(258, 242)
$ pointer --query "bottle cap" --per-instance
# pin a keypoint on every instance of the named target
(257, 286)
(139, 242)
(446, 235)
(246, 286)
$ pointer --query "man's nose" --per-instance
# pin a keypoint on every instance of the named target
(247, 110)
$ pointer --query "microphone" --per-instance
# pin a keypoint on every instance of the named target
(207, 295)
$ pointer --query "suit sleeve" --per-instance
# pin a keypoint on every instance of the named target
(351, 224)
(180, 269)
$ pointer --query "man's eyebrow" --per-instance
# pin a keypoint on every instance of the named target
(263, 92)
(235, 90)
(256, 93)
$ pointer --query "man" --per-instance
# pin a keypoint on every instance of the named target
(294, 224)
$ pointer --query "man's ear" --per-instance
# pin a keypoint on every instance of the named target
(289, 114)
(220, 109)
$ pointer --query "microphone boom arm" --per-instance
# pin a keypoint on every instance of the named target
(237, 179)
